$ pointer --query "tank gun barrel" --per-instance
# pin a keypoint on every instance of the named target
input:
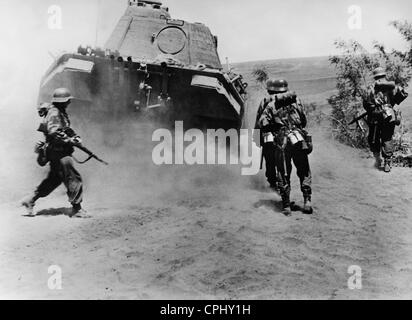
(150, 2)
(145, 2)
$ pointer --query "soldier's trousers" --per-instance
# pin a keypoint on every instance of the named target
(284, 160)
(269, 154)
(380, 138)
(62, 171)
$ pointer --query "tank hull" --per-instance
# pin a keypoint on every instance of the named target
(105, 88)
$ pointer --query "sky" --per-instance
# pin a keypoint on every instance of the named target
(247, 30)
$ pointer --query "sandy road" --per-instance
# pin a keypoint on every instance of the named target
(210, 233)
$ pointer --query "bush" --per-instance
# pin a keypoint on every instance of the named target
(261, 75)
(354, 74)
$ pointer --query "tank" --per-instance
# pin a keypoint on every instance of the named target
(152, 66)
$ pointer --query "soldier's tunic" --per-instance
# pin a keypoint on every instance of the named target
(380, 130)
(59, 153)
(268, 149)
(281, 122)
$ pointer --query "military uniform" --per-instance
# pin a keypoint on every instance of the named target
(57, 150)
(286, 119)
(59, 154)
(382, 118)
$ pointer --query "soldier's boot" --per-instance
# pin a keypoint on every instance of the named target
(378, 160)
(287, 211)
(307, 205)
(388, 165)
(274, 187)
(79, 212)
(28, 203)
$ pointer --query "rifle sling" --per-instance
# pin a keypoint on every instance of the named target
(82, 162)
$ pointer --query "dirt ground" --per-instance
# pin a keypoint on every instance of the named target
(202, 232)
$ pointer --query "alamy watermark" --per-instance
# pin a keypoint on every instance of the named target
(213, 147)
(355, 280)
(355, 18)
(54, 282)
(54, 21)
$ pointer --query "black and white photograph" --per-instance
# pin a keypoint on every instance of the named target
(205, 150)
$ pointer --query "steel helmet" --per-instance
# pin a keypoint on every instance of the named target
(278, 86)
(61, 95)
(379, 72)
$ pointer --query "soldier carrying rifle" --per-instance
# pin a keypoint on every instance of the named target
(265, 139)
(382, 118)
(57, 150)
(284, 118)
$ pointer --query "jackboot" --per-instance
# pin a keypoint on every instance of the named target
(388, 165)
(378, 160)
(307, 205)
(79, 212)
(28, 203)
(287, 211)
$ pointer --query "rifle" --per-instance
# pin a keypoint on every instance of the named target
(356, 120)
(261, 158)
(76, 142)
(399, 96)
(78, 145)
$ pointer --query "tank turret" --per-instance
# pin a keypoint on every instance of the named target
(146, 32)
(152, 64)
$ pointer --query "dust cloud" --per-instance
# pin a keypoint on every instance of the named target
(127, 145)
(132, 178)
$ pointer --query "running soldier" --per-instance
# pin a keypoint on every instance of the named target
(285, 119)
(57, 150)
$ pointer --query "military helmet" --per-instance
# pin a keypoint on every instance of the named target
(379, 72)
(61, 95)
(278, 86)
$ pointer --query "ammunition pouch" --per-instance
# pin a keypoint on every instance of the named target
(388, 114)
(307, 144)
(268, 137)
(398, 117)
(295, 137)
(42, 150)
(300, 139)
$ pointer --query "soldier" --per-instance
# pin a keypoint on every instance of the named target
(266, 139)
(379, 103)
(285, 118)
(43, 109)
(59, 136)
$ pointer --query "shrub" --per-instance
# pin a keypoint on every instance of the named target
(354, 74)
(261, 75)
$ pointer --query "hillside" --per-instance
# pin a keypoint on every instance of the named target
(312, 78)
